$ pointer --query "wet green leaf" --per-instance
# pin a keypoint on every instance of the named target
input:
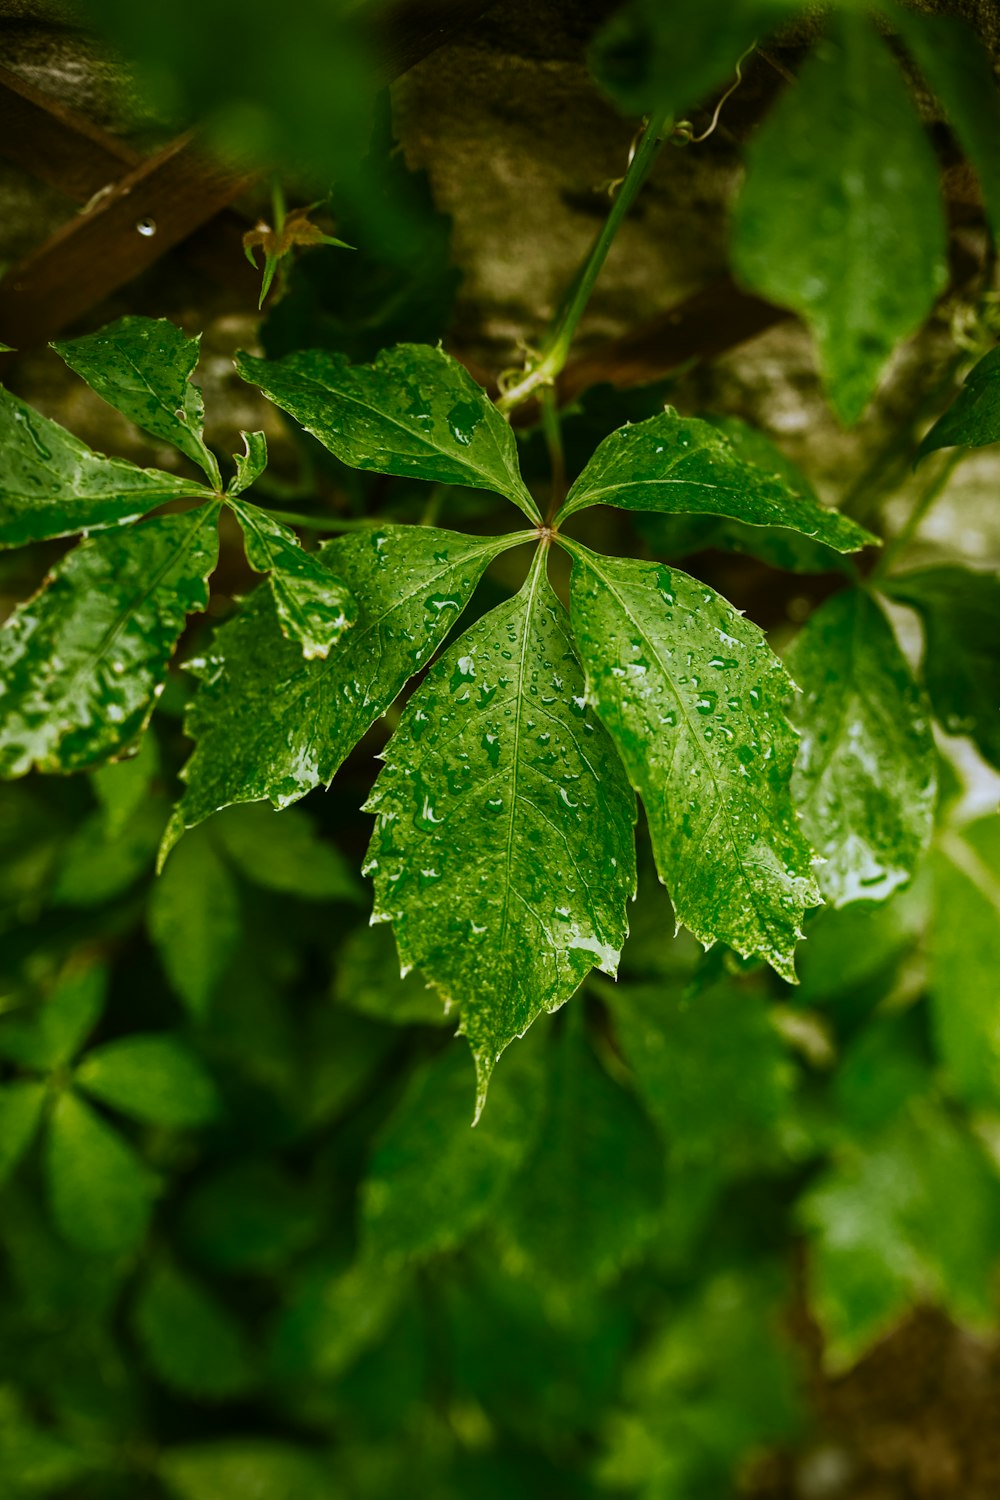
(692, 697)
(268, 724)
(959, 69)
(683, 465)
(866, 775)
(588, 1196)
(21, 1105)
(368, 981)
(314, 607)
(911, 1217)
(285, 853)
(143, 367)
(973, 418)
(52, 485)
(250, 464)
(712, 1070)
(192, 1342)
(414, 412)
(156, 1079)
(101, 1193)
(83, 661)
(259, 1467)
(51, 1033)
(433, 1179)
(194, 921)
(840, 218)
(503, 852)
(965, 959)
(960, 609)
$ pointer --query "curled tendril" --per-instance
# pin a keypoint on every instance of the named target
(683, 132)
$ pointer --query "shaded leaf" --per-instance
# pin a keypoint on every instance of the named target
(314, 607)
(83, 661)
(143, 367)
(122, 786)
(965, 960)
(588, 1196)
(250, 464)
(503, 853)
(269, 724)
(99, 863)
(285, 853)
(911, 1217)
(692, 695)
(414, 412)
(259, 1467)
(194, 921)
(682, 464)
(250, 1219)
(433, 1179)
(866, 775)
(21, 1105)
(52, 485)
(368, 981)
(331, 1318)
(840, 218)
(101, 1193)
(960, 610)
(192, 1342)
(53, 1032)
(973, 418)
(156, 1079)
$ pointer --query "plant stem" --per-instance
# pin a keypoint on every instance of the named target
(901, 541)
(555, 348)
(318, 523)
(557, 458)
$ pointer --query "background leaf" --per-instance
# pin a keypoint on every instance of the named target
(193, 1343)
(194, 921)
(964, 952)
(973, 418)
(151, 1078)
(101, 1193)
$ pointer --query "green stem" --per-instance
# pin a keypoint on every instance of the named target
(555, 348)
(901, 541)
(557, 457)
(318, 523)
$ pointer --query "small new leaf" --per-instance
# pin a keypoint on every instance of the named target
(960, 610)
(143, 367)
(415, 412)
(267, 723)
(692, 697)
(314, 607)
(683, 465)
(52, 485)
(840, 218)
(973, 418)
(250, 464)
(83, 661)
(866, 775)
(504, 852)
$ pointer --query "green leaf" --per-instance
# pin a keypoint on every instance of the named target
(973, 418)
(101, 1193)
(156, 1079)
(504, 853)
(283, 852)
(433, 1179)
(840, 218)
(866, 776)
(959, 70)
(314, 607)
(53, 1032)
(368, 981)
(193, 1343)
(965, 960)
(52, 485)
(250, 1219)
(143, 367)
(21, 1105)
(194, 921)
(260, 1468)
(250, 464)
(909, 1218)
(589, 1194)
(692, 696)
(712, 1071)
(332, 1318)
(653, 57)
(680, 464)
(415, 412)
(98, 863)
(83, 661)
(122, 786)
(269, 724)
(960, 610)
